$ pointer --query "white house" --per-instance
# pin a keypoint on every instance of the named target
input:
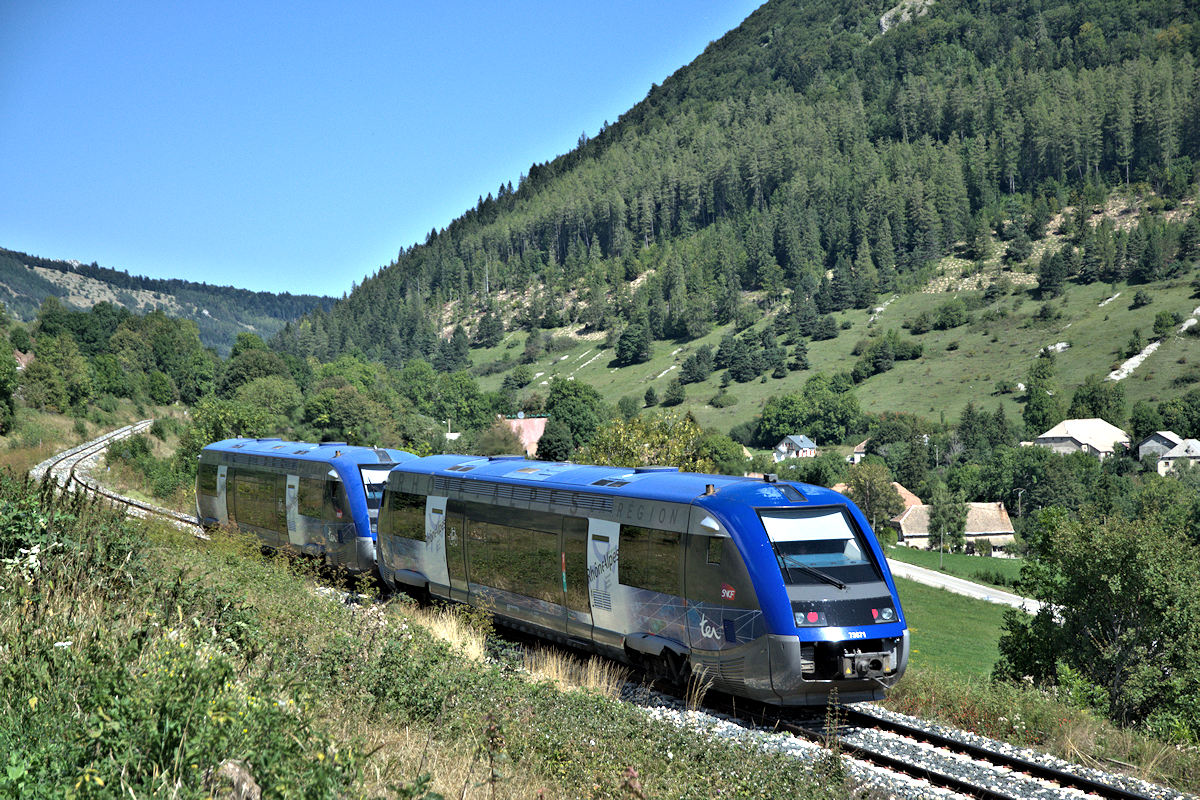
(988, 521)
(794, 447)
(1094, 436)
(860, 452)
(1186, 452)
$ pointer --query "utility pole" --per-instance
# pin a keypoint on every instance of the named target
(941, 546)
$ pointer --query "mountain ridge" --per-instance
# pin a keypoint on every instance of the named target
(220, 312)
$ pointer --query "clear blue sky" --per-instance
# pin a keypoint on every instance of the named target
(299, 146)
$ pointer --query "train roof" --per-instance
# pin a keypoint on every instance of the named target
(310, 451)
(652, 483)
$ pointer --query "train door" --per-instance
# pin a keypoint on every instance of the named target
(456, 550)
(609, 623)
(434, 560)
(278, 519)
(706, 591)
(292, 508)
(576, 600)
(222, 497)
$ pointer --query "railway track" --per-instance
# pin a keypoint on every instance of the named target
(981, 769)
(952, 763)
(65, 469)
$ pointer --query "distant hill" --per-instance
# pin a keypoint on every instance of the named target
(221, 312)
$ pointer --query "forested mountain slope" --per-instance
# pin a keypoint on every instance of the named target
(221, 312)
(808, 162)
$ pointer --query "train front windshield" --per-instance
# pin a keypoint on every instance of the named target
(814, 545)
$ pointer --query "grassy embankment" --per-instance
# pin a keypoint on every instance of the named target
(143, 466)
(37, 435)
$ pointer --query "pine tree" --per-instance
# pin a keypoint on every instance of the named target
(675, 394)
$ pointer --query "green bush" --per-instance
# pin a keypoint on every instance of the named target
(162, 475)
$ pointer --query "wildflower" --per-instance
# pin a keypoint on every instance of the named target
(33, 701)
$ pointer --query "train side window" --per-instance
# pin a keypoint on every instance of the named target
(403, 514)
(310, 499)
(649, 559)
(715, 546)
(631, 566)
(206, 480)
(664, 562)
(335, 498)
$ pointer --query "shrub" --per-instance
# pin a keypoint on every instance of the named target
(723, 399)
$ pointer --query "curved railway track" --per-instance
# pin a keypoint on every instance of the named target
(972, 769)
(65, 469)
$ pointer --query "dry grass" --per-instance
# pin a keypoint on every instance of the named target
(567, 671)
(466, 630)
(36, 436)
(698, 685)
(458, 769)
(449, 625)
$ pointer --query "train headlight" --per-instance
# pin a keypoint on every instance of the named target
(810, 619)
(886, 614)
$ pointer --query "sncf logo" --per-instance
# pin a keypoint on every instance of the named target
(727, 592)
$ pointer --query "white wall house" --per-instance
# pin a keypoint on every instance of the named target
(1158, 443)
(794, 447)
(1094, 436)
(1186, 452)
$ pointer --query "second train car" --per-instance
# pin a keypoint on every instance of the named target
(775, 591)
(319, 499)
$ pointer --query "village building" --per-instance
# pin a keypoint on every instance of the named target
(529, 430)
(794, 447)
(986, 522)
(1093, 436)
(860, 452)
(1186, 452)
(1158, 443)
(908, 497)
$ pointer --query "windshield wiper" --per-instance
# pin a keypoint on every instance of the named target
(816, 573)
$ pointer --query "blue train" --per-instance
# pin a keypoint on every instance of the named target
(774, 591)
(320, 499)
(770, 590)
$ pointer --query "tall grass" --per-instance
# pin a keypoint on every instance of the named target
(115, 684)
(570, 672)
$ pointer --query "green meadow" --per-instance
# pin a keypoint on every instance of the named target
(971, 568)
(970, 363)
(950, 632)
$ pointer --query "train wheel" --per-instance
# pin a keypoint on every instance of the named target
(677, 667)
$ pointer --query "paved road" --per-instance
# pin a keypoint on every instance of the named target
(931, 577)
